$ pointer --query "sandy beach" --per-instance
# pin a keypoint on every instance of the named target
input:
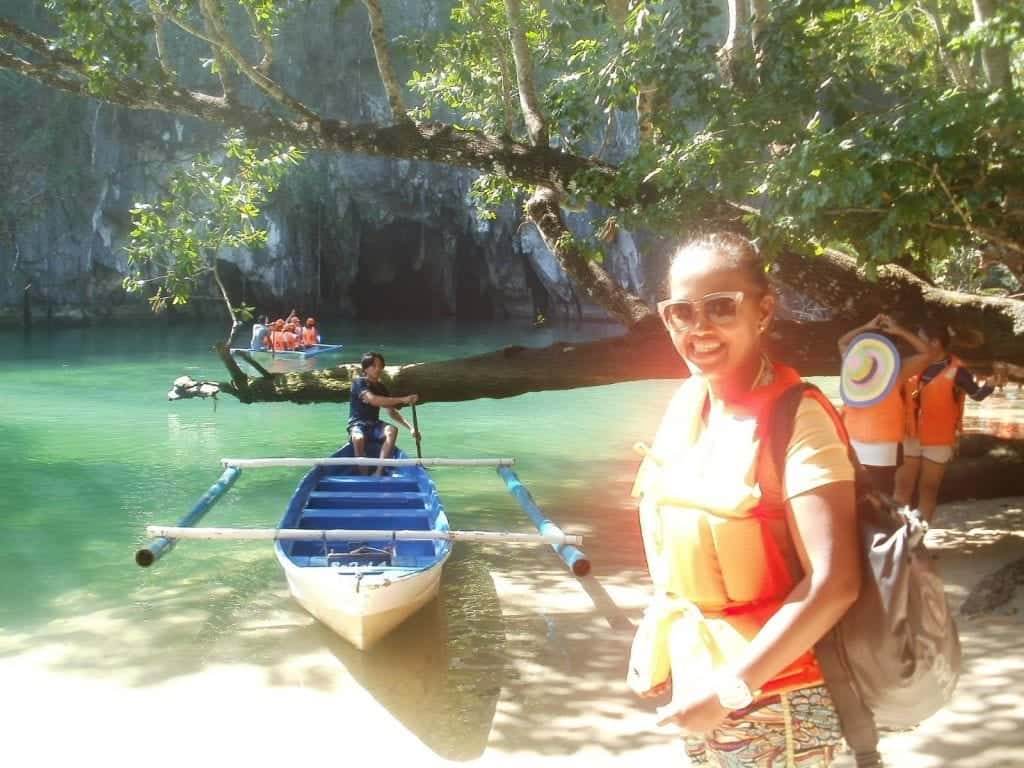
(545, 685)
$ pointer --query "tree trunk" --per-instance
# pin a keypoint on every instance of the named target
(644, 353)
(536, 125)
(995, 325)
(380, 51)
(995, 59)
(735, 57)
(587, 274)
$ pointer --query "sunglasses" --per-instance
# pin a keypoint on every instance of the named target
(719, 308)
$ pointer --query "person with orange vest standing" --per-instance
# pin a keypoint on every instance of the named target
(877, 431)
(934, 415)
(752, 562)
(310, 337)
(277, 339)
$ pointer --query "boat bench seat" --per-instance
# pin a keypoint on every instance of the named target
(355, 498)
(365, 519)
(366, 484)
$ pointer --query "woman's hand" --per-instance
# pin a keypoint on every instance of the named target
(697, 714)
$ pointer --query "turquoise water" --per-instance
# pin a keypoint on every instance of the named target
(94, 452)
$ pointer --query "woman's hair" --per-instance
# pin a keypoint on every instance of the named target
(730, 251)
(936, 330)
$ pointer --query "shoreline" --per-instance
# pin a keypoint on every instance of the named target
(547, 685)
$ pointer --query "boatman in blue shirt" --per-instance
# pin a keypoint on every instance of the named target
(369, 395)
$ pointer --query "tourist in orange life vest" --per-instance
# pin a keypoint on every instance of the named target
(310, 337)
(277, 341)
(291, 336)
(877, 431)
(750, 567)
(935, 408)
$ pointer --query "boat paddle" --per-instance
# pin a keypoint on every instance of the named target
(416, 429)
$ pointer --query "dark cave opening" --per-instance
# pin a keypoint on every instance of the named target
(408, 271)
(395, 281)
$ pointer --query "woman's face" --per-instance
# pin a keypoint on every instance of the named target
(718, 343)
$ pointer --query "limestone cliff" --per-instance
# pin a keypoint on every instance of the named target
(348, 234)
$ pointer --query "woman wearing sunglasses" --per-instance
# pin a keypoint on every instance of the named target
(751, 563)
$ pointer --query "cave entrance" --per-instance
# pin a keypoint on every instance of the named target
(395, 281)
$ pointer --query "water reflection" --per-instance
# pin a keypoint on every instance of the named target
(440, 673)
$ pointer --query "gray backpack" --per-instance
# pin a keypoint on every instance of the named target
(894, 658)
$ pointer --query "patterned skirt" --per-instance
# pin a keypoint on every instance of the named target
(799, 729)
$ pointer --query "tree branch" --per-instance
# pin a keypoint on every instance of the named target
(544, 211)
(266, 40)
(159, 18)
(270, 87)
(648, 97)
(543, 208)
(837, 281)
(734, 56)
(235, 322)
(536, 125)
(961, 76)
(507, 88)
(47, 73)
(42, 46)
(436, 142)
(380, 51)
(211, 11)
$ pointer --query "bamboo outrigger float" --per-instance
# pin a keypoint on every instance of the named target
(362, 553)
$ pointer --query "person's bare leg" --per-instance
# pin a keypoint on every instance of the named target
(390, 436)
(906, 479)
(928, 488)
(359, 450)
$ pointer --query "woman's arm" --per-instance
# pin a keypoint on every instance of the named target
(915, 363)
(847, 338)
(965, 381)
(823, 523)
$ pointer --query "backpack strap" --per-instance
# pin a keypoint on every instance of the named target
(855, 719)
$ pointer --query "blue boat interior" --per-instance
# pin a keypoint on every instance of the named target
(404, 498)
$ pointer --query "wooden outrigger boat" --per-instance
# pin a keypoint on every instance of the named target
(362, 587)
(363, 553)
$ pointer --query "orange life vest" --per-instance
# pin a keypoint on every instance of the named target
(309, 336)
(283, 341)
(882, 422)
(716, 537)
(935, 410)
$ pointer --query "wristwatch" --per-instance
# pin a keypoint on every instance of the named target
(733, 693)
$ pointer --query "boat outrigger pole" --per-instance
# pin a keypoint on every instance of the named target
(577, 561)
(161, 545)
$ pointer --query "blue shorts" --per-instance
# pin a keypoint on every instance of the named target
(369, 430)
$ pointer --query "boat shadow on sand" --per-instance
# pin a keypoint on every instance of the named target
(440, 673)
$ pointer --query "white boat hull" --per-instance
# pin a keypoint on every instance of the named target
(362, 608)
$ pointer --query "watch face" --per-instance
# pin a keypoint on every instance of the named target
(734, 694)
